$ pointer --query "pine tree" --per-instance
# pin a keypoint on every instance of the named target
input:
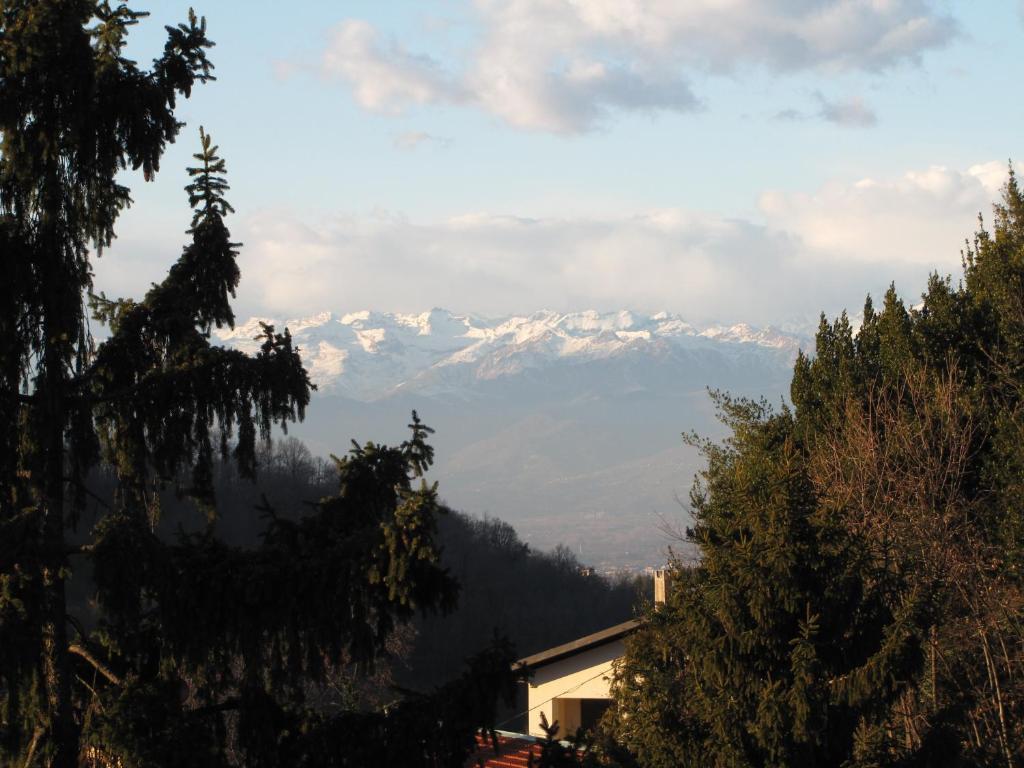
(859, 597)
(574, 751)
(734, 670)
(73, 113)
(197, 653)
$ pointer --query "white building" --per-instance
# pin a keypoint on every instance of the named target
(570, 682)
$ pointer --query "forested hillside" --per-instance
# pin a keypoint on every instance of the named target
(183, 583)
(535, 598)
(565, 425)
(859, 599)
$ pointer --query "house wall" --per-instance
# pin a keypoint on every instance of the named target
(584, 675)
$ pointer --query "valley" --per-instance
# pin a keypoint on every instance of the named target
(568, 426)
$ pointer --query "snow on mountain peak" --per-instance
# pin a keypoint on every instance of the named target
(315, 321)
(367, 355)
(352, 318)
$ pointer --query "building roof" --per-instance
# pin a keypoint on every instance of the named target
(514, 751)
(579, 645)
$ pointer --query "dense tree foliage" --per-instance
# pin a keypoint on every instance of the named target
(499, 577)
(536, 599)
(198, 652)
(858, 600)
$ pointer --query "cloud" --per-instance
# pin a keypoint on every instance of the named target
(284, 69)
(552, 66)
(385, 77)
(414, 139)
(919, 218)
(790, 115)
(502, 264)
(564, 65)
(850, 113)
(807, 252)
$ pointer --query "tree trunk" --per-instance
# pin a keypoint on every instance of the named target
(55, 662)
(56, 671)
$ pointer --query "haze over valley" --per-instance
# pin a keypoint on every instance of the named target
(567, 425)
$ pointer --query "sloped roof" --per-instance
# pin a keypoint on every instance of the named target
(579, 645)
(514, 751)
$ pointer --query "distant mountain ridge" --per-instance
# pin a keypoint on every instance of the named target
(567, 425)
(368, 356)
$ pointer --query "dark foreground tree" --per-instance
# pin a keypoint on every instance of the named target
(859, 600)
(734, 670)
(196, 653)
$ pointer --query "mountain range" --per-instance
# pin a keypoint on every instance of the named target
(567, 425)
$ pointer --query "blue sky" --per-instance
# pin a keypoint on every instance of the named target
(737, 160)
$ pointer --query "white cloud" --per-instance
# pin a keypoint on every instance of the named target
(385, 77)
(850, 113)
(790, 114)
(780, 34)
(415, 139)
(921, 217)
(804, 252)
(814, 251)
(500, 264)
(563, 65)
(554, 66)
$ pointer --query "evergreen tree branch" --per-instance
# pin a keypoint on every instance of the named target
(229, 705)
(99, 666)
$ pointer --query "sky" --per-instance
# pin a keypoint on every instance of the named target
(753, 161)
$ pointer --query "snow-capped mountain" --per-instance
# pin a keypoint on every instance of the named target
(567, 425)
(369, 356)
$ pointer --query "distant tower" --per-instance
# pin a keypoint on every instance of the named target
(662, 581)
